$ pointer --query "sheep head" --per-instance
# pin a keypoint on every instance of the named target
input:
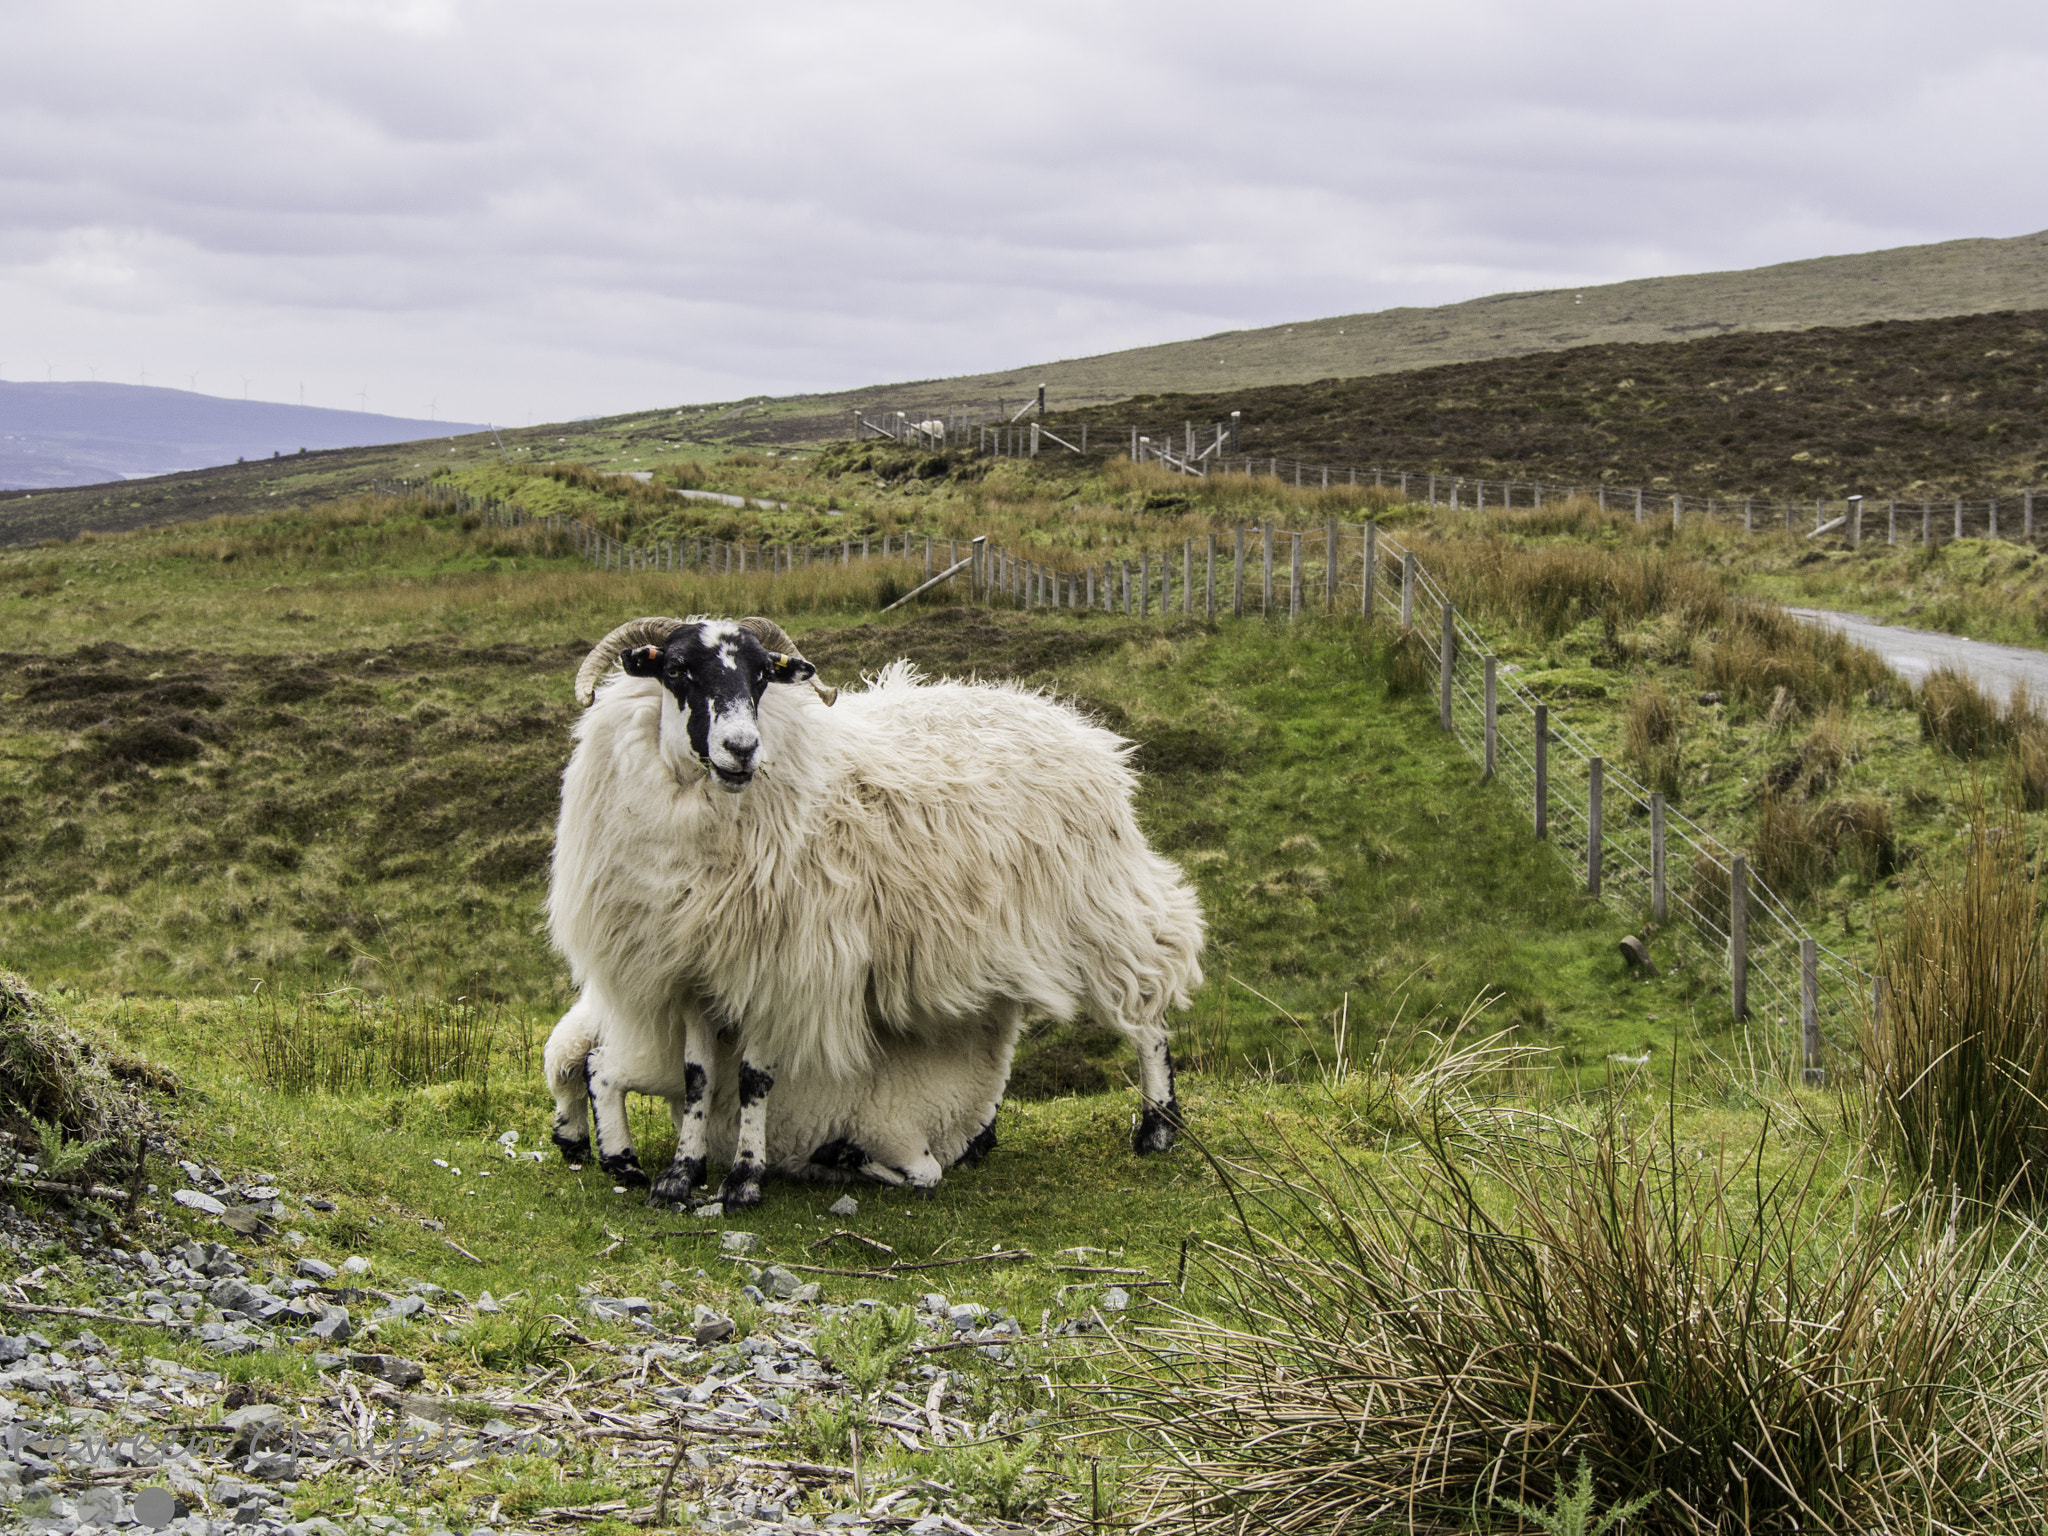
(715, 670)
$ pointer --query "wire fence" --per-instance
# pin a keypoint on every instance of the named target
(1624, 843)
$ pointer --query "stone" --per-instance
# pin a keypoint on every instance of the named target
(334, 1326)
(488, 1303)
(255, 1413)
(934, 1303)
(192, 1199)
(158, 1507)
(1115, 1299)
(716, 1331)
(711, 1208)
(356, 1264)
(739, 1242)
(807, 1293)
(317, 1269)
(845, 1205)
(404, 1306)
(401, 1373)
(13, 1348)
(778, 1284)
(619, 1306)
(967, 1316)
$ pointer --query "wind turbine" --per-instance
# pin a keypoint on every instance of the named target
(193, 380)
(302, 391)
(363, 398)
(430, 408)
(246, 382)
(145, 378)
(92, 373)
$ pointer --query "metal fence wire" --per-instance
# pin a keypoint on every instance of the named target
(1635, 853)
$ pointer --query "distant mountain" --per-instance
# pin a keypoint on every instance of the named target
(82, 434)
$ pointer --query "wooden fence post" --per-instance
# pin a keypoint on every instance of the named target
(1266, 602)
(1330, 568)
(1814, 1075)
(1372, 569)
(1542, 772)
(1187, 576)
(1677, 507)
(2027, 512)
(1145, 585)
(1639, 503)
(1408, 590)
(1492, 717)
(1126, 570)
(1855, 522)
(1994, 517)
(1738, 938)
(1656, 856)
(1926, 522)
(1594, 779)
(977, 573)
(1294, 581)
(1446, 665)
(1959, 517)
(1237, 580)
(1891, 520)
(1210, 611)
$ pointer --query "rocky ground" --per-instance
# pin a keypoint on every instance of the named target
(94, 1437)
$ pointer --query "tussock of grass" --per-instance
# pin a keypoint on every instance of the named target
(1406, 1343)
(1956, 1058)
(1651, 737)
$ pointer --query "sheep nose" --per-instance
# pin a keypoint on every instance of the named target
(743, 748)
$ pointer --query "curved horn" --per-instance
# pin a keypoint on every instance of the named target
(633, 632)
(773, 636)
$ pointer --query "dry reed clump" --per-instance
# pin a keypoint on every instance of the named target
(1761, 649)
(1406, 664)
(1552, 588)
(1955, 1060)
(1957, 715)
(1408, 1343)
(1651, 736)
(1802, 845)
(346, 1042)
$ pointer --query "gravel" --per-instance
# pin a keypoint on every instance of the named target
(92, 1440)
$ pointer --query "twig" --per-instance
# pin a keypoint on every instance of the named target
(801, 1468)
(842, 1232)
(1094, 1269)
(451, 1243)
(1003, 1256)
(668, 1478)
(984, 1341)
(75, 1191)
(98, 1317)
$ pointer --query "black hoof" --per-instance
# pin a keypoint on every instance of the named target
(624, 1168)
(741, 1189)
(1156, 1131)
(674, 1186)
(572, 1151)
(977, 1150)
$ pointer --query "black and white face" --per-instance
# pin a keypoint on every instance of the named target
(716, 672)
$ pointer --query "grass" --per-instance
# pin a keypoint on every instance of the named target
(1956, 1057)
(1725, 1344)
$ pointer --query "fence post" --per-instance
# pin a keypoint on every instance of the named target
(1330, 568)
(1891, 521)
(1237, 580)
(1294, 580)
(1266, 603)
(1187, 576)
(1994, 517)
(1542, 772)
(1815, 1075)
(1145, 585)
(2027, 512)
(1926, 522)
(1738, 938)
(1492, 717)
(1432, 490)
(977, 576)
(1959, 517)
(1656, 856)
(1639, 503)
(1677, 507)
(1594, 778)
(1855, 522)
(1372, 562)
(1446, 663)
(1125, 566)
(1210, 610)
(1408, 590)
(1748, 522)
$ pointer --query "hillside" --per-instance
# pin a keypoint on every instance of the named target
(1919, 408)
(1956, 277)
(80, 434)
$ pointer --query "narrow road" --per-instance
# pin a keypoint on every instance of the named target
(1913, 653)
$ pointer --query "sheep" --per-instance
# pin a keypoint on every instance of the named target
(918, 1109)
(916, 862)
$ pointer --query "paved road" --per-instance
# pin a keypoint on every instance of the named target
(1913, 653)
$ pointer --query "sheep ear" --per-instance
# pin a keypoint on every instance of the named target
(641, 660)
(789, 669)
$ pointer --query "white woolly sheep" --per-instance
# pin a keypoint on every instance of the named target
(914, 863)
(917, 1109)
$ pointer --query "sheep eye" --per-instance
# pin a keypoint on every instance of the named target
(674, 670)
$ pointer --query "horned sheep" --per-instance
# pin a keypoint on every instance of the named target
(827, 886)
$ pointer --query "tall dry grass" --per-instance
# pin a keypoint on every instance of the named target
(1955, 1060)
(1759, 649)
(1652, 736)
(1408, 1344)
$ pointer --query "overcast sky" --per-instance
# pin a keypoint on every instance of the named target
(498, 211)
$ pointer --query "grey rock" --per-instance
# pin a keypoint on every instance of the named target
(12, 1348)
(778, 1283)
(255, 1413)
(716, 1331)
(711, 1208)
(739, 1242)
(401, 1373)
(194, 1200)
(806, 1293)
(317, 1269)
(845, 1205)
(1115, 1299)
(247, 1220)
(334, 1326)
(934, 1303)
(404, 1306)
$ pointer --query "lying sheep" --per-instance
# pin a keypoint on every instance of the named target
(916, 1109)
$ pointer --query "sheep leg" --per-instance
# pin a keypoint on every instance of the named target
(742, 1186)
(614, 1143)
(564, 1064)
(689, 1115)
(1161, 1120)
